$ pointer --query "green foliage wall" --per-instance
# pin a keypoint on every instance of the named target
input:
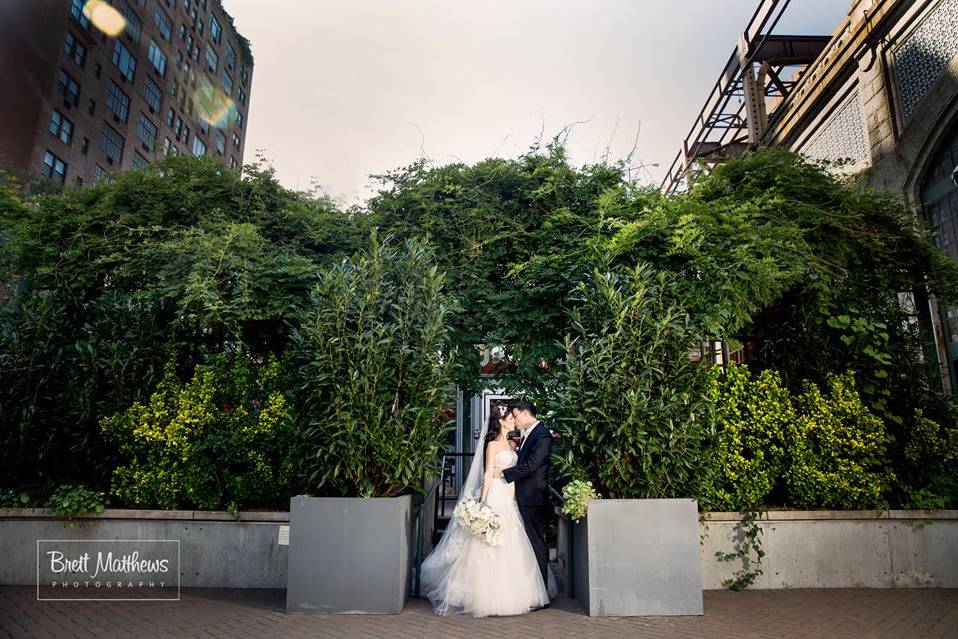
(373, 361)
(632, 410)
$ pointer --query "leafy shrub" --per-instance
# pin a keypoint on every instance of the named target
(576, 495)
(73, 501)
(931, 463)
(632, 407)
(10, 498)
(373, 358)
(838, 449)
(220, 440)
(753, 416)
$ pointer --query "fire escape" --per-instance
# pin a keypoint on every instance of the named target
(758, 76)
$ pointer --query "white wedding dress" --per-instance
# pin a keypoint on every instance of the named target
(465, 575)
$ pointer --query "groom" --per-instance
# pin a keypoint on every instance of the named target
(531, 475)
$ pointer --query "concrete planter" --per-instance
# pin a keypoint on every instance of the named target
(635, 557)
(349, 555)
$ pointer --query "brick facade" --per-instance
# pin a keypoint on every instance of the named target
(42, 39)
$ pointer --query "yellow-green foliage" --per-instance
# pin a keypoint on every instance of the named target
(217, 441)
(838, 449)
(820, 449)
(577, 495)
(931, 463)
(752, 416)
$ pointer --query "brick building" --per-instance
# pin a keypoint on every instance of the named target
(880, 91)
(95, 87)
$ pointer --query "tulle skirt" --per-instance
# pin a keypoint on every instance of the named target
(466, 575)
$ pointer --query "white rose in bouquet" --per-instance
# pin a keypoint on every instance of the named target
(481, 520)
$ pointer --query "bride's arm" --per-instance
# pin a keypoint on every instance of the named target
(488, 470)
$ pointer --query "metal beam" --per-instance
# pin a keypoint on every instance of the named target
(721, 120)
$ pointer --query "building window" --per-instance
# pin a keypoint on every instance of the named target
(61, 127)
(139, 161)
(163, 23)
(75, 50)
(146, 131)
(170, 117)
(227, 82)
(68, 88)
(186, 135)
(100, 176)
(178, 129)
(244, 76)
(220, 140)
(91, 109)
(111, 143)
(168, 148)
(233, 162)
(133, 23)
(124, 60)
(198, 147)
(239, 119)
(158, 58)
(215, 31)
(230, 56)
(118, 102)
(54, 167)
(212, 60)
(152, 94)
(76, 10)
(182, 32)
(85, 146)
(241, 97)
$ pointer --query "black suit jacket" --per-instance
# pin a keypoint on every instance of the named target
(531, 472)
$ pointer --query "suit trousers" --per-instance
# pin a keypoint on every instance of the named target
(534, 518)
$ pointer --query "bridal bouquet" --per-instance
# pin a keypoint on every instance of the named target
(480, 520)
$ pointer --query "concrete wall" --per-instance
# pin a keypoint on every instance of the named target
(215, 550)
(841, 549)
(805, 549)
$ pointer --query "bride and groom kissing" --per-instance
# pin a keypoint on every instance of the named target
(466, 575)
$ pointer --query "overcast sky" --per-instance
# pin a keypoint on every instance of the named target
(344, 89)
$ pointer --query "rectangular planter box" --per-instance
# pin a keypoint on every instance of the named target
(349, 555)
(635, 557)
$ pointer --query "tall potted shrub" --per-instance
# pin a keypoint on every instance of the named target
(374, 370)
(632, 412)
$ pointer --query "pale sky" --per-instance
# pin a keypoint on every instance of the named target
(345, 89)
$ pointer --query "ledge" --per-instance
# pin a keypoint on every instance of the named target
(283, 517)
(168, 515)
(837, 515)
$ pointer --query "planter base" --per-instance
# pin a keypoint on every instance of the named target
(348, 555)
(636, 557)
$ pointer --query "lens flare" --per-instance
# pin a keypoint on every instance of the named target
(104, 17)
(212, 105)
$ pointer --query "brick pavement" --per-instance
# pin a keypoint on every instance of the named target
(856, 613)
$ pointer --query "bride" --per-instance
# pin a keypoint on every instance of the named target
(464, 574)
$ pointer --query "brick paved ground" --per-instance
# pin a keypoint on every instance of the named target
(857, 613)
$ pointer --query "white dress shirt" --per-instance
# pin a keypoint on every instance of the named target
(525, 433)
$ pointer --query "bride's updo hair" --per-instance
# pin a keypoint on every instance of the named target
(496, 412)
